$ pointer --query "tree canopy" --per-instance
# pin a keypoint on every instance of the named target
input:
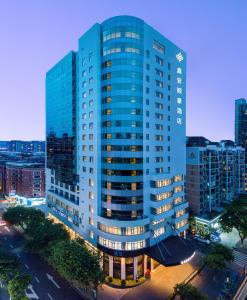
(9, 266)
(76, 263)
(188, 292)
(44, 232)
(71, 258)
(20, 215)
(235, 216)
(17, 287)
(11, 276)
(218, 257)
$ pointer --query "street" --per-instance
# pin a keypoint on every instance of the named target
(45, 284)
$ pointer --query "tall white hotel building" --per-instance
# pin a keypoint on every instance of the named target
(116, 146)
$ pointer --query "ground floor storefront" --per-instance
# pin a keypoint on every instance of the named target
(128, 268)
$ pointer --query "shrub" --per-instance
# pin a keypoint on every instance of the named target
(110, 279)
(123, 282)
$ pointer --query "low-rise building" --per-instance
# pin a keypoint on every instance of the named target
(25, 180)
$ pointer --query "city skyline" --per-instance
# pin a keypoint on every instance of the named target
(42, 43)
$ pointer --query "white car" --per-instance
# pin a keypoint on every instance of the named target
(215, 238)
(202, 240)
(2, 223)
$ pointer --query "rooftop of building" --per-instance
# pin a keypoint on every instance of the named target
(26, 165)
(212, 215)
(200, 141)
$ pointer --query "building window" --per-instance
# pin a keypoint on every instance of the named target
(132, 35)
(158, 47)
(111, 51)
(159, 231)
(159, 60)
(132, 50)
(113, 35)
(159, 72)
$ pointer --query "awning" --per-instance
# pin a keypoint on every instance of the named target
(172, 251)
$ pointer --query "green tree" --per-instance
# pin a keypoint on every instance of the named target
(218, 257)
(17, 287)
(9, 266)
(235, 216)
(43, 232)
(224, 251)
(21, 215)
(188, 292)
(214, 261)
(76, 263)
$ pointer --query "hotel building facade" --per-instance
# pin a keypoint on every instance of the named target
(116, 145)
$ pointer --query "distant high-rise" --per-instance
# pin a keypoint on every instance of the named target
(23, 146)
(241, 127)
(115, 121)
(214, 174)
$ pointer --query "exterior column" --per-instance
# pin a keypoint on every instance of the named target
(101, 260)
(185, 234)
(145, 264)
(152, 264)
(135, 267)
(110, 266)
(123, 268)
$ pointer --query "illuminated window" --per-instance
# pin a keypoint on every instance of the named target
(132, 35)
(181, 223)
(110, 36)
(180, 213)
(162, 209)
(178, 189)
(162, 196)
(132, 50)
(111, 51)
(135, 245)
(178, 200)
(159, 231)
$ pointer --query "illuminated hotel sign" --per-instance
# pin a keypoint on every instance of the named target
(179, 57)
(179, 90)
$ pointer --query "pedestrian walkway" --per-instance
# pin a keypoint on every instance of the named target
(240, 258)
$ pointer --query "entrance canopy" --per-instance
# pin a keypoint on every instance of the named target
(172, 251)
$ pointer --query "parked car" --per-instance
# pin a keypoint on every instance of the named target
(2, 223)
(201, 239)
(215, 238)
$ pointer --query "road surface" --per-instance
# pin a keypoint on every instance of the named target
(45, 284)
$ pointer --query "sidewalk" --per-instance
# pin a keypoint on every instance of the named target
(163, 280)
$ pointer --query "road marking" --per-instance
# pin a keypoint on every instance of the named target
(50, 296)
(7, 228)
(27, 266)
(37, 279)
(52, 280)
(31, 295)
(11, 246)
